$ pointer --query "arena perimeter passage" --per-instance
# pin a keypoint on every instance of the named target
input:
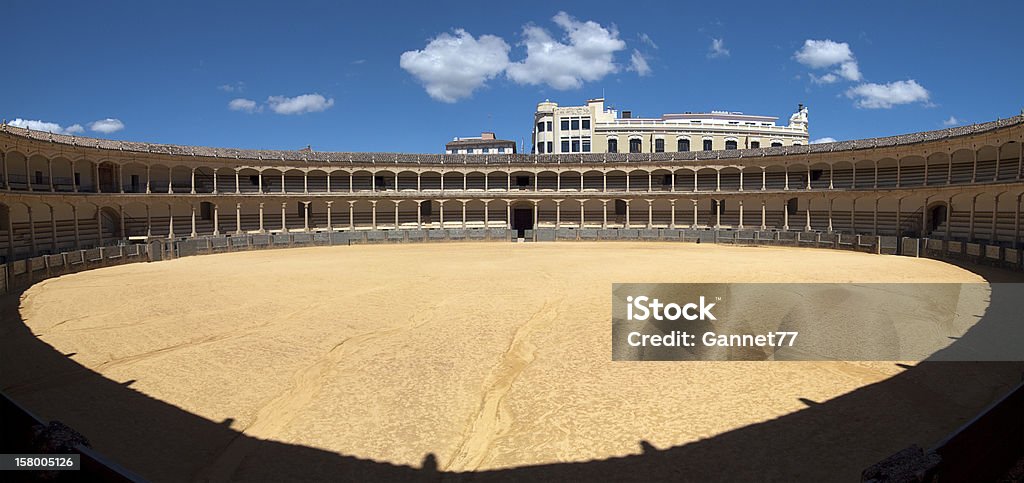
(461, 357)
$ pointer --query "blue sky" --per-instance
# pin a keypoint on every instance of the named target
(332, 75)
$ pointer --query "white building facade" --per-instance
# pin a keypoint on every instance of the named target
(595, 129)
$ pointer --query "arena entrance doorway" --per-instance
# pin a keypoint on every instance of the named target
(522, 220)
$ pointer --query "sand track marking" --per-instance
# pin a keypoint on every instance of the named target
(492, 419)
(271, 419)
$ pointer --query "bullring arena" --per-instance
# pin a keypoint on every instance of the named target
(448, 315)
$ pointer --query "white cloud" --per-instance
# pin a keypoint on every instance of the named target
(44, 126)
(952, 121)
(825, 139)
(717, 49)
(829, 78)
(299, 104)
(819, 54)
(74, 129)
(451, 67)
(638, 64)
(585, 54)
(646, 39)
(244, 105)
(106, 126)
(234, 87)
(884, 96)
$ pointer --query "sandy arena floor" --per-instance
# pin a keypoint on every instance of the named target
(487, 355)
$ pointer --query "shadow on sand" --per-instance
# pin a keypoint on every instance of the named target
(825, 441)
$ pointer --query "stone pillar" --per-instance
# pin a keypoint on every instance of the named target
(853, 181)
(995, 177)
(283, 190)
(261, 230)
(875, 183)
(831, 176)
(53, 229)
(949, 172)
(994, 237)
(807, 227)
(442, 180)
(741, 178)
(604, 181)
(974, 205)
(193, 206)
(673, 188)
(740, 227)
(558, 213)
(351, 213)
(695, 180)
(305, 182)
(74, 219)
(627, 181)
(627, 207)
(508, 213)
(419, 213)
(170, 222)
(328, 181)
(351, 185)
(238, 186)
(764, 179)
(28, 183)
(49, 173)
(214, 180)
(718, 180)
(650, 181)
(373, 214)
(718, 213)
(604, 216)
(874, 219)
(650, 213)
(238, 218)
(305, 216)
(672, 218)
(259, 181)
(764, 215)
(330, 226)
(830, 201)
(808, 174)
(216, 220)
(694, 225)
(899, 171)
(785, 216)
(974, 169)
(284, 217)
(535, 217)
(170, 180)
(396, 213)
(192, 182)
(786, 186)
(32, 228)
(149, 222)
(487, 209)
(463, 207)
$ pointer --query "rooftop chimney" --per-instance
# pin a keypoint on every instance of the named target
(627, 114)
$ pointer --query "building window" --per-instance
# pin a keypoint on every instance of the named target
(729, 144)
(755, 144)
(78, 179)
(635, 145)
(575, 124)
(586, 145)
(575, 145)
(659, 145)
(613, 145)
(776, 144)
(522, 181)
(586, 124)
(39, 177)
(565, 124)
(548, 125)
(540, 148)
(551, 147)
(565, 145)
(683, 145)
(540, 126)
(707, 145)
